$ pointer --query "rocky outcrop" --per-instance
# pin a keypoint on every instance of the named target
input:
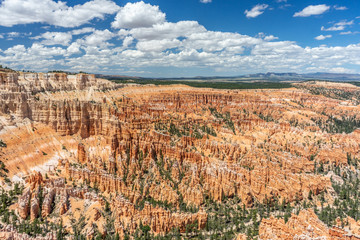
(305, 224)
(82, 158)
(9, 233)
(47, 203)
(24, 204)
(159, 220)
(34, 206)
(63, 202)
(38, 82)
(55, 194)
(18, 89)
(241, 236)
(153, 152)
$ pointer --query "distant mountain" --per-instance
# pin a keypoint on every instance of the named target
(333, 76)
(296, 76)
(269, 76)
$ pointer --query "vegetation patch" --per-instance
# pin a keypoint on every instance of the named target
(200, 84)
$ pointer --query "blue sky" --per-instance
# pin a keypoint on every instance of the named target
(168, 38)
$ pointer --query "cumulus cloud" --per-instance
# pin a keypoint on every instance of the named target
(166, 30)
(137, 15)
(224, 42)
(323, 37)
(157, 45)
(183, 44)
(98, 38)
(12, 35)
(312, 10)
(339, 26)
(206, 49)
(256, 10)
(36, 57)
(205, 1)
(82, 31)
(57, 13)
(266, 37)
(74, 48)
(270, 38)
(55, 38)
(127, 41)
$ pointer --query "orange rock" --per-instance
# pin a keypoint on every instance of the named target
(173, 145)
(305, 224)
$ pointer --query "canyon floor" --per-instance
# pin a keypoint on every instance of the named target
(86, 158)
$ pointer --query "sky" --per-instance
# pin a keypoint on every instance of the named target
(171, 38)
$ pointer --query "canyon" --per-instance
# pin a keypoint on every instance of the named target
(83, 157)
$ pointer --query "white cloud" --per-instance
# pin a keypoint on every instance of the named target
(340, 7)
(312, 10)
(349, 32)
(285, 6)
(74, 48)
(157, 45)
(1, 36)
(167, 30)
(340, 70)
(339, 26)
(207, 49)
(36, 57)
(205, 1)
(82, 31)
(13, 34)
(256, 10)
(14, 12)
(127, 41)
(55, 38)
(184, 45)
(346, 33)
(270, 38)
(223, 42)
(132, 54)
(137, 15)
(265, 37)
(323, 37)
(99, 38)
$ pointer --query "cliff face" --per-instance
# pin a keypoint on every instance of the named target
(165, 157)
(39, 82)
(18, 89)
(160, 220)
(218, 169)
(306, 225)
(10, 233)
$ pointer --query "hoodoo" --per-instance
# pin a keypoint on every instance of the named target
(82, 156)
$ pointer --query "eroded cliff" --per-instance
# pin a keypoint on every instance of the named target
(153, 161)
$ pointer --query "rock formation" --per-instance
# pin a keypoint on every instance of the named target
(305, 224)
(159, 157)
